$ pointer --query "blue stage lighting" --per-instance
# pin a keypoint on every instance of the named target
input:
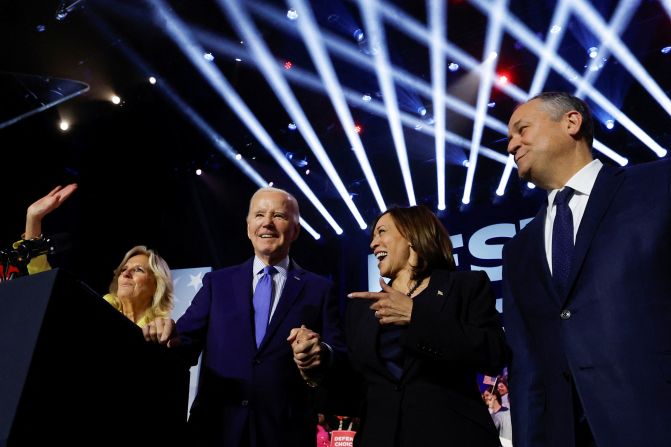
(610, 124)
(292, 14)
(358, 35)
(453, 66)
(666, 50)
(593, 52)
(421, 110)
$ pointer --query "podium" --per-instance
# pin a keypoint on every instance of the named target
(75, 371)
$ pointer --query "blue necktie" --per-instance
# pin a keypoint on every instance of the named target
(562, 240)
(263, 296)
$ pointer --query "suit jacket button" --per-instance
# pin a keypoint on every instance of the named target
(565, 314)
(244, 403)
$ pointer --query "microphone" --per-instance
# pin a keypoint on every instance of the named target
(30, 249)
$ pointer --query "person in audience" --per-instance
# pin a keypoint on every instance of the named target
(419, 342)
(500, 415)
(141, 287)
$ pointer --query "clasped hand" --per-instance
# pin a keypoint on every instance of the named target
(390, 305)
(306, 346)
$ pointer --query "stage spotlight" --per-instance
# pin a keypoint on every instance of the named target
(40, 28)
(666, 50)
(64, 125)
(271, 184)
(199, 171)
(366, 98)
(292, 14)
(307, 172)
(237, 59)
(358, 35)
(493, 55)
(208, 57)
(555, 29)
(465, 163)
(421, 110)
(292, 126)
(491, 105)
(453, 66)
(152, 80)
(610, 124)
(238, 156)
(288, 65)
(502, 80)
(358, 129)
(593, 52)
(418, 126)
(115, 100)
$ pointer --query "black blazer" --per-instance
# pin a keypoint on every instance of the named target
(454, 332)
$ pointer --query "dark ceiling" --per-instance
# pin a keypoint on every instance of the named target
(135, 162)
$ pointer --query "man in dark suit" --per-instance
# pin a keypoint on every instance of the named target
(251, 392)
(587, 289)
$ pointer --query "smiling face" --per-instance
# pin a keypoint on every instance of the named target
(272, 224)
(391, 249)
(136, 281)
(548, 150)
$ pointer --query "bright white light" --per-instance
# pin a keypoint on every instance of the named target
(593, 52)
(465, 163)
(559, 18)
(666, 50)
(358, 35)
(178, 32)
(366, 98)
(208, 57)
(437, 19)
(421, 111)
(237, 59)
(492, 45)
(418, 126)
(510, 164)
(238, 156)
(373, 24)
(521, 32)
(64, 125)
(610, 124)
(313, 40)
(115, 100)
(292, 126)
(292, 14)
(152, 80)
(273, 75)
(493, 55)
(555, 29)
(307, 172)
(199, 171)
(530, 185)
(270, 184)
(453, 66)
(491, 105)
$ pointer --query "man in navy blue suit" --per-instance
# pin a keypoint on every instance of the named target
(251, 392)
(587, 289)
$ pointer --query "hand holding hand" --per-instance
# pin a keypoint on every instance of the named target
(390, 305)
(306, 346)
(161, 331)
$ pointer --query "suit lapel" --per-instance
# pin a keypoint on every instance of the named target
(241, 285)
(292, 288)
(535, 256)
(605, 188)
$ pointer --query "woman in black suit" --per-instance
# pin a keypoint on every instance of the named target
(419, 342)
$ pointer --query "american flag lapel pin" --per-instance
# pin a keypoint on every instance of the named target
(440, 292)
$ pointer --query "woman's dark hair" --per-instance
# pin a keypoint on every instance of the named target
(426, 234)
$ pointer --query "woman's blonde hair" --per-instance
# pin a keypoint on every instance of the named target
(162, 302)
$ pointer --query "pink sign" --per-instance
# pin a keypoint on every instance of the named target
(342, 438)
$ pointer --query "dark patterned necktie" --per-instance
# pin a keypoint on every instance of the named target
(562, 240)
